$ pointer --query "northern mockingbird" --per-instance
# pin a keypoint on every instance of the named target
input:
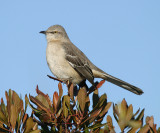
(67, 62)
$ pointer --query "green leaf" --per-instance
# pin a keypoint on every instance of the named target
(43, 100)
(65, 102)
(59, 112)
(136, 112)
(16, 101)
(8, 104)
(92, 116)
(34, 109)
(95, 126)
(26, 102)
(132, 130)
(10, 95)
(115, 112)
(101, 101)
(13, 116)
(3, 129)
(36, 131)
(3, 118)
(38, 103)
(86, 130)
(105, 110)
(129, 113)
(82, 94)
(3, 108)
(123, 109)
(45, 96)
(87, 104)
(141, 115)
(29, 125)
(135, 124)
(95, 98)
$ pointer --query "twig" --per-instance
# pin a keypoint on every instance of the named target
(55, 78)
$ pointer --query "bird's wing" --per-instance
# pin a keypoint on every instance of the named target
(78, 61)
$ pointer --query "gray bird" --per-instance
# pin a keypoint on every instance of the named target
(67, 62)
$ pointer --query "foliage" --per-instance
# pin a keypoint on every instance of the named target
(70, 113)
(13, 117)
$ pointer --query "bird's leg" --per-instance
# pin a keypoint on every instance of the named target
(75, 93)
(83, 84)
(93, 87)
(96, 86)
(72, 89)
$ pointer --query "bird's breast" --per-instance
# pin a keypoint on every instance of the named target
(59, 66)
(55, 56)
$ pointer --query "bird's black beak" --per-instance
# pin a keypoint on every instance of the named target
(43, 32)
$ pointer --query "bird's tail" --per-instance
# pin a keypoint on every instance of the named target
(119, 82)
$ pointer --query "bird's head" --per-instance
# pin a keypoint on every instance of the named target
(55, 33)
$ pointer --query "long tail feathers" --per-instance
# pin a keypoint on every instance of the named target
(98, 73)
(122, 84)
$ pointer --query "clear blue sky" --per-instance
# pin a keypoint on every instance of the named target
(120, 37)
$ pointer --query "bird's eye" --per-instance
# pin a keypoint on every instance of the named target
(54, 32)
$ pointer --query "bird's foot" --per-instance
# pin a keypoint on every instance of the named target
(97, 86)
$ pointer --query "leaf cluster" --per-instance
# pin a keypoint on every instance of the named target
(70, 113)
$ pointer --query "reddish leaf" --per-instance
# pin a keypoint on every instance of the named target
(55, 99)
(13, 116)
(100, 84)
(60, 94)
(60, 86)
(46, 96)
(25, 118)
(144, 129)
(2, 100)
(71, 92)
(150, 122)
(109, 123)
